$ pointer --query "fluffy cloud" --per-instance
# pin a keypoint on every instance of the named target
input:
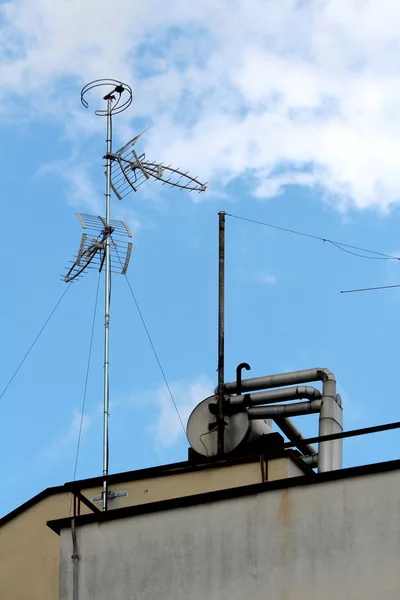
(65, 444)
(265, 278)
(282, 92)
(81, 192)
(167, 429)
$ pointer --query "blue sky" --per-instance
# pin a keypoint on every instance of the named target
(290, 111)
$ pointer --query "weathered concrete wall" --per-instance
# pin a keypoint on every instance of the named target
(29, 559)
(30, 548)
(330, 541)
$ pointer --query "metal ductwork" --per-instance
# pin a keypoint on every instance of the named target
(331, 414)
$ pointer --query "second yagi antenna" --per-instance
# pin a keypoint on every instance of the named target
(91, 253)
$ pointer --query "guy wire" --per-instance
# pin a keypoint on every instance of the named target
(154, 350)
(87, 376)
(338, 245)
(34, 342)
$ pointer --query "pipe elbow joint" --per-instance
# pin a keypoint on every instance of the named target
(326, 374)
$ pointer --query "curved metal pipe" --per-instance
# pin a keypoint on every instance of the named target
(239, 370)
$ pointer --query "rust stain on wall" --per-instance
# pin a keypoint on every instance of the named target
(285, 507)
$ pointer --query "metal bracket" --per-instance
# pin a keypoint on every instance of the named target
(111, 495)
(78, 494)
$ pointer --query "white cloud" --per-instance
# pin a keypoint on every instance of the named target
(66, 443)
(167, 428)
(283, 92)
(82, 194)
(265, 278)
(80, 191)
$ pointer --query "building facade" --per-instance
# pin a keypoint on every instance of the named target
(331, 535)
(30, 551)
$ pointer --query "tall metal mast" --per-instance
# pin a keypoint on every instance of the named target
(221, 334)
(113, 106)
(107, 290)
(104, 251)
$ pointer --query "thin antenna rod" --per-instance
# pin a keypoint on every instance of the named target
(381, 287)
(221, 334)
(107, 241)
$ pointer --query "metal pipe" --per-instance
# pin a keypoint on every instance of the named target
(290, 430)
(331, 416)
(278, 395)
(221, 334)
(279, 380)
(75, 561)
(330, 422)
(310, 460)
(293, 433)
(293, 410)
(107, 309)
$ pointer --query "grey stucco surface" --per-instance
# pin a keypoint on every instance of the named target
(332, 541)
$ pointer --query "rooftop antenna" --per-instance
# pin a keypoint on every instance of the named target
(108, 248)
(133, 170)
(91, 253)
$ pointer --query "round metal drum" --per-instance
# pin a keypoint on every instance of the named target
(238, 430)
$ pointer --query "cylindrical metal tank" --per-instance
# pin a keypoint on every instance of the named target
(239, 430)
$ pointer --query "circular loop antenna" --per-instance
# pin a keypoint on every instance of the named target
(116, 89)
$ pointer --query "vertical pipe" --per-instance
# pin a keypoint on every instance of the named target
(330, 422)
(107, 310)
(75, 563)
(75, 555)
(221, 334)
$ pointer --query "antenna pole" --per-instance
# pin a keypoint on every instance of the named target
(107, 307)
(221, 334)
(97, 252)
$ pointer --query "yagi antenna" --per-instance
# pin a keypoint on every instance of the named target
(104, 244)
(133, 170)
(91, 253)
